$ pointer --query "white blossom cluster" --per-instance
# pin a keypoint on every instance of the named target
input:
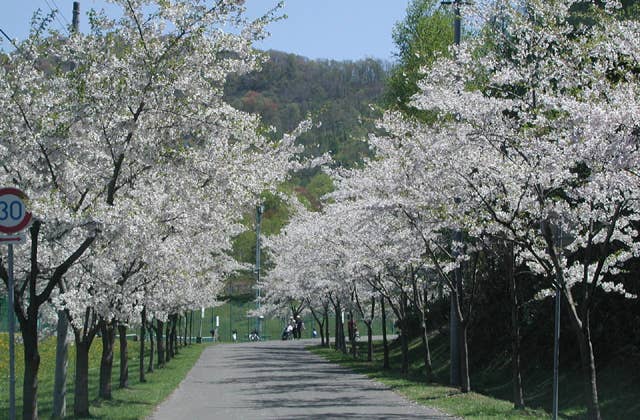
(122, 135)
(536, 143)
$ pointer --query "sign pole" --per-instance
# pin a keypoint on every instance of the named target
(12, 369)
(13, 219)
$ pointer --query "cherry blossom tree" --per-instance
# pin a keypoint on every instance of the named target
(544, 140)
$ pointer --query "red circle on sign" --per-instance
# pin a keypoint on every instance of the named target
(26, 219)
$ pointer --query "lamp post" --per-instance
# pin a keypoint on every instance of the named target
(457, 237)
(259, 211)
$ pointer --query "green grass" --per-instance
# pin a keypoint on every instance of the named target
(135, 402)
(618, 389)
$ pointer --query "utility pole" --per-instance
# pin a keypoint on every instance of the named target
(62, 329)
(556, 337)
(454, 341)
(259, 211)
(75, 20)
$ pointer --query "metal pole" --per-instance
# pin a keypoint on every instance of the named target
(457, 22)
(75, 20)
(454, 344)
(556, 353)
(259, 211)
(556, 342)
(454, 341)
(12, 356)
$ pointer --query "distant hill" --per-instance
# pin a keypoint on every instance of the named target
(339, 94)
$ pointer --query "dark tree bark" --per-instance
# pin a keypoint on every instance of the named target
(174, 335)
(326, 326)
(124, 357)
(465, 384)
(370, 330)
(518, 391)
(583, 334)
(83, 339)
(31, 366)
(143, 338)
(421, 300)
(62, 361)
(81, 400)
(320, 322)
(160, 343)
(108, 332)
(404, 346)
(185, 318)
(168, 351)
(340, 342)
(352, 337)
(152, 349)
(385, 342)
(27, 309)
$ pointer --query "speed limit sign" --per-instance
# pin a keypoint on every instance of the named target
(14, 216)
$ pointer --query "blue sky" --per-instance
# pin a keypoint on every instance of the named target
(334, 29)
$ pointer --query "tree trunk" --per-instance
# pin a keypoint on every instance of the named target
(151, 348)
(326, 326)
(465, 382)
(29, 331)
(588, 369)
(62, 361)
(106, 361)
(336, 339)
(142, 344)
(124, 357)
(185, 318)
(81, 396)
(518, 391)
(160, 343)
(168, 351)
(191, 326)
(174, 335)
(370, 331)
(385, 342)
(369, 340)
(404, 341)
(428, 367)
(352, 337)
(320, 322)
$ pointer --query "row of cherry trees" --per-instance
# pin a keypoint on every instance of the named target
(533, 155)
(137, 171)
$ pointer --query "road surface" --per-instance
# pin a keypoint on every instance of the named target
(281, 380)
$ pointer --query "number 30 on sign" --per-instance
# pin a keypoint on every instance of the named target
(13, 214)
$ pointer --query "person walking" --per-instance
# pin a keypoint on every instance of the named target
(299, 326)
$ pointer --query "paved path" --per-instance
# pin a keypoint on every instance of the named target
(281, 380)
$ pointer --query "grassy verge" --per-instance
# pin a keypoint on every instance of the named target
(449, 400)
(618, 388)
(135, 402)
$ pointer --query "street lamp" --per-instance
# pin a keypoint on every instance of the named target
(259, 211)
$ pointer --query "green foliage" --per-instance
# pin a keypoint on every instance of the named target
(425, 34)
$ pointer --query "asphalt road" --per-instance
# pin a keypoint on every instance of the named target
(281, 380)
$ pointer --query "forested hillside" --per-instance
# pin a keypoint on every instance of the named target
(339, 96)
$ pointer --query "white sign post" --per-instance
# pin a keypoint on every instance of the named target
(14, 218)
